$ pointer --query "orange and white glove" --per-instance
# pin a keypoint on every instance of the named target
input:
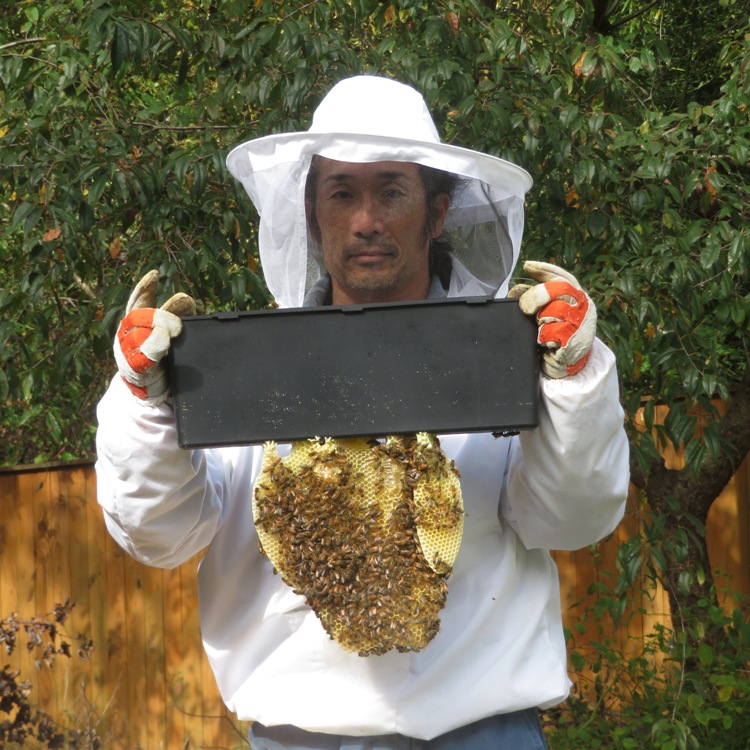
(144, 337)
(565, 314)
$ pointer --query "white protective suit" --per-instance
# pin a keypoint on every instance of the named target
(500, 647)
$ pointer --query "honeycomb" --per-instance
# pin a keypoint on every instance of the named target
(366, 531)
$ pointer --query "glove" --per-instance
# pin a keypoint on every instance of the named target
(565, 314)
(144, 336)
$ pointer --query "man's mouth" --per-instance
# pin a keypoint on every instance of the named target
(369, 254)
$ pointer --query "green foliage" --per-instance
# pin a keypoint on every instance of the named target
(678, 689)
(116, 118)
(694, 34)
(650, 208)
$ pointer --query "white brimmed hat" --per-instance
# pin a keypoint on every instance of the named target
(370, 119)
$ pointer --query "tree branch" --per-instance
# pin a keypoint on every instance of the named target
(178, 128)
(634, 15)
(734, 429)
(21, 43)
(636, 475)
(85, 288)
(699, 490)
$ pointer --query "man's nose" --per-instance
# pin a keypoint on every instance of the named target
(367, 219)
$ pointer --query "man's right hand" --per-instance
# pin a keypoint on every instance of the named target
(144, 337)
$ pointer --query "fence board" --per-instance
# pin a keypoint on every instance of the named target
(191, 652)
(728, 533)
(155, 656)
(173, 654)
(116, 638)
(72, 485)
(102, 697)
(8, 544)
(135, 649)
(148, 684)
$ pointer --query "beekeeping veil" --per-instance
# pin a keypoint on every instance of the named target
(370, 119)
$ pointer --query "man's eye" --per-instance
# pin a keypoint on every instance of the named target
(340, 195)
(394, 193)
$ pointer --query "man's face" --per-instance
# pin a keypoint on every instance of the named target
(371, 222)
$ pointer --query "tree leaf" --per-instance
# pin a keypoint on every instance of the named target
(86, 217)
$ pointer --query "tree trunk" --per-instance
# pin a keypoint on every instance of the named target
(687, 577)
(683, 498)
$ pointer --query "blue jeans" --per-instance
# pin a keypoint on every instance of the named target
(520, 730)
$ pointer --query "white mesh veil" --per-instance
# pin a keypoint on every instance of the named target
(370, 119)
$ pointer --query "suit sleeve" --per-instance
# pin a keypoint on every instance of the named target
(567, 480)
(161, 503)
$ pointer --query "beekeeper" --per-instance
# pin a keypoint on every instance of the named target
(368, 205)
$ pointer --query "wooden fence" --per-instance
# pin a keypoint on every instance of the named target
(147, 683)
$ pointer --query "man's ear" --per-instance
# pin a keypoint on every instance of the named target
(442, 202)
(312, 222)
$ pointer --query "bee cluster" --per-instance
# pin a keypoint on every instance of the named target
(367, 532)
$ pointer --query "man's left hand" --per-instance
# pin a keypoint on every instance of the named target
(565, 314)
